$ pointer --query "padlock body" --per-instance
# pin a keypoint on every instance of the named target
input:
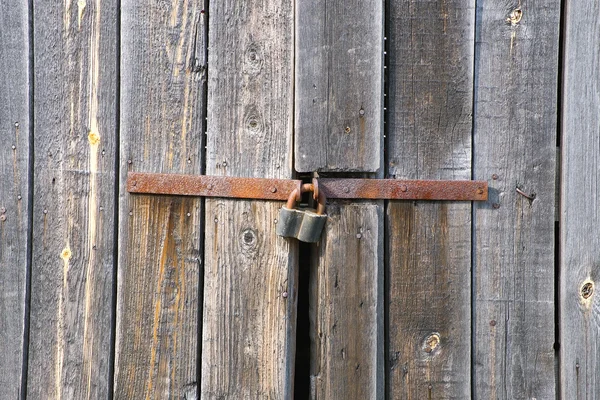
(303, 224)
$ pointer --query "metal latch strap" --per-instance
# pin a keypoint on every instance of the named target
(279, 189)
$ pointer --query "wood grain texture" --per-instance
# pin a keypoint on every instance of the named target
(339, 85)
(163, 74)
(75, 145)
(515, 142)
(14, 181)
(579, 219)
(430, 72)
(248, 338)
(346, 308)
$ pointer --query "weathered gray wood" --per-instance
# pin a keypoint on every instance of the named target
(515, 148)
(430, 72)
(75, 49)
(14, 181)
(579, 219)
(346, 304)
(248, 338)
(162, 114)
(339, 93)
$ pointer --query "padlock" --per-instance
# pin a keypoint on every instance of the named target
(304, 224)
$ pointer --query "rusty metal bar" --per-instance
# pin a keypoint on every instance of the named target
(211, 186)
(280, 189)
(395, 189)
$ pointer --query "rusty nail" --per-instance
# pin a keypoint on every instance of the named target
(273, 189)
(522, 193)
(2, 217)
(209, 186)
(493, 322)
(347, 130)
(496, 206)
(403, 188)
(494, 177)
(134, 183)
(346, 190)
(479, 191)
(284, 295)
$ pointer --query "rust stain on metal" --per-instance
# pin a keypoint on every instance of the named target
(280, 189)
(396, 189)
(211, 186)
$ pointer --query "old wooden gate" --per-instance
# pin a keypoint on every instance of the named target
(106, 294)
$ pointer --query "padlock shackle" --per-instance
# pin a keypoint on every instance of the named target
(307, 187)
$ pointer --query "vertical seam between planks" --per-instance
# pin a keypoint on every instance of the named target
(202, 258)
(117, 193)
(31, 163)
(473, 206)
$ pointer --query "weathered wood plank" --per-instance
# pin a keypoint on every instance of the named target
(163, 74)
(248, 338)
(346, 305)
(515, 148)
(339, 85)
(14, 181)
(579, 219)
(430, 72)
(75, 47)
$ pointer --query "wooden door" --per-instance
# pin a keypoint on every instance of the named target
(106, 294)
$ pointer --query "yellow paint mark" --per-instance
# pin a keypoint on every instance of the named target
(94, 138)
(80, 8)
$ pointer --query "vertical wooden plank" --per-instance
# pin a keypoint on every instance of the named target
(339, 127)
(73, 231)
(163, 72)
(430, 72)
(248, 337)
(579, 219)
(347, 305)
(338, 85)
(14, 180)
(516, 74)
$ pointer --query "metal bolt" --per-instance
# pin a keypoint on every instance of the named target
(496, 206)
(494, 177)
(210, 186)
(2, 217)
(346, 190)
(480, 191)
(284, 295)
(587, 290)
(273, 189)
(403, 188)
